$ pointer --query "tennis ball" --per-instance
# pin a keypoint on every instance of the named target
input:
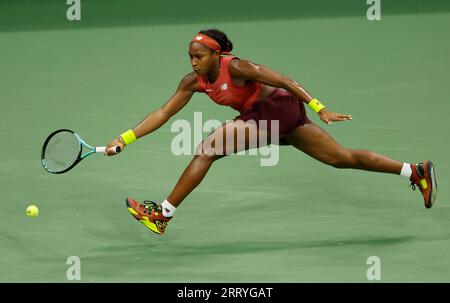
(32, 211)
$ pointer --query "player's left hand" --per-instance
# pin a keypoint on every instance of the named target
(328, 116)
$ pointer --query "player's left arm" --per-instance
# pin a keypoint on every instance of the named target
(247, 70)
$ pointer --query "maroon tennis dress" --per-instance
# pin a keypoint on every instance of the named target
(279, 105)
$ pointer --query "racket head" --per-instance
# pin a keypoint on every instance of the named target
(61, 151)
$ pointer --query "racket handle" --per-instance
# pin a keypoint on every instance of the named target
(101, 149)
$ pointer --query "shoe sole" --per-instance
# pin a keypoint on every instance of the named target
(433, 192)
(145, 221)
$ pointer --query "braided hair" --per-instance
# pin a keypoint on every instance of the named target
(220, 37)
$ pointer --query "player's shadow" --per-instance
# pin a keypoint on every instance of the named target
(232, 248)
(246, 247)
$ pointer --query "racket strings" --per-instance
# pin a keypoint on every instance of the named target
(61, 151)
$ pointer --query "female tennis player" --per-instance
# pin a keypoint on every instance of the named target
(258, 93)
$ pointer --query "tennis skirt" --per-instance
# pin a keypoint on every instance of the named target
(279, 105)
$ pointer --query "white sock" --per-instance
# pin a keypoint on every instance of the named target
(168, 209)
(406, 170)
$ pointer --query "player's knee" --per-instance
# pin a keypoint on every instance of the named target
(363, 158)
(205, 158)
(342, 159)
(336, 162)
(205, 153)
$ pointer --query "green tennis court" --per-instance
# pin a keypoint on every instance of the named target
(298, 221)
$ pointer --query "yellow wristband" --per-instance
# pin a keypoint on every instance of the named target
(128, 137)
(316, 105)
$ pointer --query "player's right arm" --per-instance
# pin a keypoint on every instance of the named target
(157, 118)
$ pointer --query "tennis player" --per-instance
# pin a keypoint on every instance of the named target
(258, 93)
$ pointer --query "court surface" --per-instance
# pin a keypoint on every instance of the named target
(298, 221)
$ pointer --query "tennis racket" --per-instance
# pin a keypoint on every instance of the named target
(64, 149)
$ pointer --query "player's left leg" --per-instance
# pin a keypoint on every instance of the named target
(230, 138)
(317, 143)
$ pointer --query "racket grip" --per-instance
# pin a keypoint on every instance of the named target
(101, 149)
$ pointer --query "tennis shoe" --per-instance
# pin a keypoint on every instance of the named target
(149, 213)
(424, 176)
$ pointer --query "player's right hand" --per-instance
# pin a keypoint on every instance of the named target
(111, 147)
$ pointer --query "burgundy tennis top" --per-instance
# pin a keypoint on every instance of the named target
(224, 92)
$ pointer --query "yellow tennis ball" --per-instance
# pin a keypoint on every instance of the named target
(32, 211)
